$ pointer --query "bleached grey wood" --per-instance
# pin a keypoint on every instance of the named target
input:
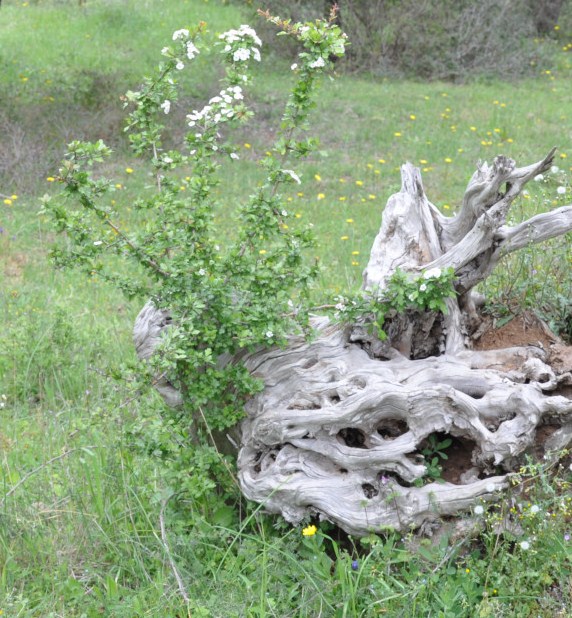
(338, 429)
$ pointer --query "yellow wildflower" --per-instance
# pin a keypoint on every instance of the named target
(349, 220)
(321, 196)
(317, 177)
(50, 179)
(359, 183)
(8, 202)
(129, 170)
(309, 530)
(344, 238)
(247, 145)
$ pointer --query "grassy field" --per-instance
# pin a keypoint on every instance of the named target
(85, 529)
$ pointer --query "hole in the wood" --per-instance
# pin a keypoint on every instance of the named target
(447, 457)
(310, 363)
(335, 399)
(543, 433)
(493, 424)
(343, 471)
(391, 428)
(257, 458)
(353, 437)
(369, 491)
(386, 478)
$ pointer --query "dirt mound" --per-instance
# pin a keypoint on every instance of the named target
(522, 330)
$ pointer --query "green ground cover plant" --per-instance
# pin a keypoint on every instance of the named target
(87, 529)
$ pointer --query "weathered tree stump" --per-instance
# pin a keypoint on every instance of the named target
(339, 428)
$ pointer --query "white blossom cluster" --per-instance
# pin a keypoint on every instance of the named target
(218, 108)
(191, 50)
(248, 43)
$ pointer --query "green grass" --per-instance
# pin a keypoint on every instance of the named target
(80, 530)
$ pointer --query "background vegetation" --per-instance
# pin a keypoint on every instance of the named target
(85, 529)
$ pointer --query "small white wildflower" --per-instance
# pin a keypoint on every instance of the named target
(490, 487)
(98, 242)
(561, 190)
(292, 175)
(269, 334)
(319, 62)
(525, 545)
(554, 169)
(202, 272)
(432, 273)
(166, 106)
(180, 34)
(192, 51)
(538, 178)
(412, 297)
(294, 66)
(290, 303)
(534, 508)
(165, 51)
(256, 54)
(570, 467)
(179, 66)
(284, 213)
(422, 287)
(479, 510)
(340, 307)
(167, 159)
(234, 156)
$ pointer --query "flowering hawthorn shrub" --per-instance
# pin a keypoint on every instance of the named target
(221, 299)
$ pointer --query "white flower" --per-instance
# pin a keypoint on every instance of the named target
(166, 106)
(242, 53)
(202, 272)
(561, 190)
(165, 51)
(525, 545)
(98, 242)
(290, 303)
(167, 159)
(538, 178)
(284, 213)
(422, 287)
(412, 297)
(534, 508)
(180, 34)
(292, 175)
(490, 487)
(340, 307)
(192, 51)
(432, 273)
(319, 62)
(554, 169)
(294, 66)
(233, 155)
(180, 66)
(269, 334)
(479, 510)
(256, 54)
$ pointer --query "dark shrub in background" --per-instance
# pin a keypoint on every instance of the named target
(437, 39)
